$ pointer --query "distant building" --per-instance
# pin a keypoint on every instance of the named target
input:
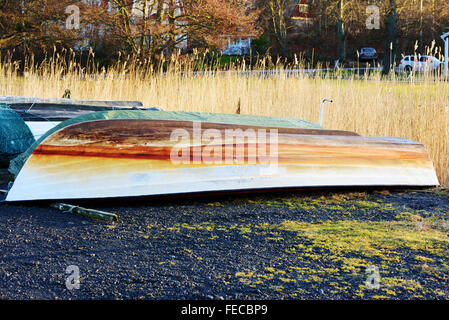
(302, 16)
(175, 7)
(237, 45)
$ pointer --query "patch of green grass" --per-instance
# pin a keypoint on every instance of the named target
(372, 238)
(424, 259)
(340, 202)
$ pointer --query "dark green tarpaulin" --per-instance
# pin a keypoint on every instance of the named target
(17, 163)
(15, 136)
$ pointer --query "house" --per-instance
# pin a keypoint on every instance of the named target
(237, 45)
(301, 17)
(175, 8)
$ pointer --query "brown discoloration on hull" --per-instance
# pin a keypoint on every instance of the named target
(122, 131)
(150, 139)
(126, 141)
(287, 153)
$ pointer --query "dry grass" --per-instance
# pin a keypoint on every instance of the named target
(417, 111)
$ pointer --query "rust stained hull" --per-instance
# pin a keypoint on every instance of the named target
(130, 158)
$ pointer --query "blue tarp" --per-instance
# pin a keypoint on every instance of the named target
(15, 136)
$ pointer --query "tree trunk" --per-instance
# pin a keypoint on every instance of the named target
(145, 18)
(391, 37)
(278, 13)
(341, 34)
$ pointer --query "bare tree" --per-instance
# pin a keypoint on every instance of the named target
(275, 19)
(150, 27)
(390, 36)
(34, 24)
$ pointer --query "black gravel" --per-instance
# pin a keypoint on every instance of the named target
(161, 249)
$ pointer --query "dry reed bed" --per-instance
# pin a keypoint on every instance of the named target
(416, 111)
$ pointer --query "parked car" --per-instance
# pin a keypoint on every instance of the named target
(418, 63)
(367, 54)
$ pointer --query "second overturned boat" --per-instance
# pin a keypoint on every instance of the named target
(42, 114)
(146, 153)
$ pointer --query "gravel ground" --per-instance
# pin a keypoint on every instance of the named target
(290, 245)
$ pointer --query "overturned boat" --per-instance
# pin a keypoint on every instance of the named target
(131, 153)
(42, 114)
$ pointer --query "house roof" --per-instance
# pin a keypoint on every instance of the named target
(302, 11)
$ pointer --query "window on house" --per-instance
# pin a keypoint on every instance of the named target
(303, 8)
